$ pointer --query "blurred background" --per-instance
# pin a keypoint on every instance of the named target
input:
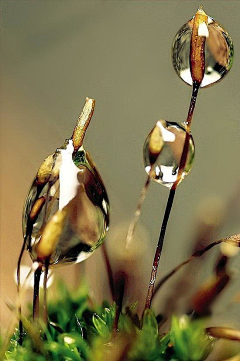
(53, 55)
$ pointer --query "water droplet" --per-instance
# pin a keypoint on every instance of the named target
(165, 169)
(218, 53)
(30, 283)
(66, 213)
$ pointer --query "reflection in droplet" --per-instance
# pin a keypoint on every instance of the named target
(66, 213)
(24, 273)
(218, 52)
(165, 169)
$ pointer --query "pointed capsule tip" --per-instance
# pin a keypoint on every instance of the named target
(90, 100)
(200, 10)
(83, 123)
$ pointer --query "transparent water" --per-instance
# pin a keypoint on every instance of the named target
(165, 169)
(218, 53)
(68, 194)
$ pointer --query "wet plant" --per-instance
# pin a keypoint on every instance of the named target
(66, 218)
(194, 55)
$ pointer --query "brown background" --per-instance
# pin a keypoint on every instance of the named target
(53, 55)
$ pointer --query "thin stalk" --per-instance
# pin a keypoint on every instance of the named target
(45, 309)
(37, 275)
(184, 155)
(118, 298)
(109, 271)
(12, 325)
(25, 285)
(159, 248)
(134, 222)
(171, 197)
(195, 90)
(18, 289)
(234, 240)
(78, 271)
(120, 282)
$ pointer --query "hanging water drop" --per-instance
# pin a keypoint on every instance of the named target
(66, 217)
(165, 168)
(218, 52)
(66, 212)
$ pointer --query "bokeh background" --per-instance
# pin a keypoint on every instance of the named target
(53, 55)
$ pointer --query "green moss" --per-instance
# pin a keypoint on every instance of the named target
(77, 331)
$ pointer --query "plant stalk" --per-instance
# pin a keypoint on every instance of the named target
(109, 271)
(37, 275)
(18, 289)
(137, 213)
(168, 208)
(45, 308)
(233, 240)
(159, 248)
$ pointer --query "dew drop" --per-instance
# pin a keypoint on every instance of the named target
(66, 212)
(218, 52)
(30, 282)
(166, 167)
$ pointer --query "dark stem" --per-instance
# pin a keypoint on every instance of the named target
(37, 275)
(159, 248)
(192, 104)
(109, 271)
(171, 196)
(184, 155)
(120, 282)
(196, 254)
(18, 289)
(45, 309)
(183, 161)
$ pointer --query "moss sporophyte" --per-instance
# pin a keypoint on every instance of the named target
(66, 218)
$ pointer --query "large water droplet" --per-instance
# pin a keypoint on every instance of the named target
(166, 167)
(218, 53)
(66, 213)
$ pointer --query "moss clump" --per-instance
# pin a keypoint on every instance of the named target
(79, 331)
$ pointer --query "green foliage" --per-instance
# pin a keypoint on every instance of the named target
(189, 339)
(104, 323)
(79, 331)
(148, 345)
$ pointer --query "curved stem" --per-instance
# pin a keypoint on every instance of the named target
(234, 240)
